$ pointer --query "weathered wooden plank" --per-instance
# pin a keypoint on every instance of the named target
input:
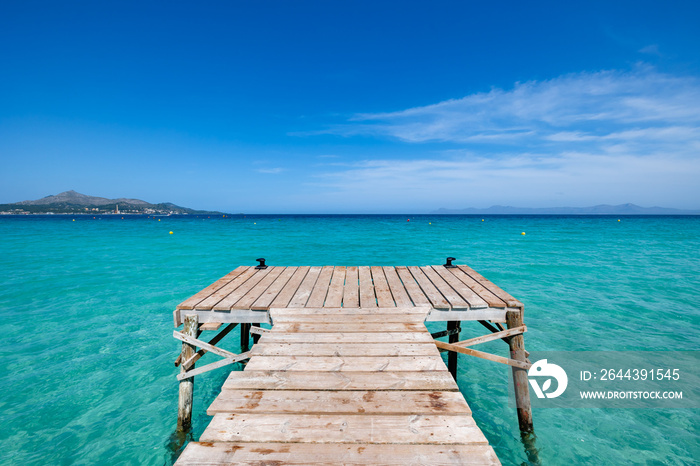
(229, 301)
(347, 428)
(352, 337)
(348, 363)
(350, 318)
(344, 327)
(492, 287)
(397, 289)
(208, 303)
(210, 326)
(190, 302)
(409, 283)
(222, 453)
(444, 315)
(286, 294)
(367, 296)
(320, 290)
(339, 402)
(473, 299)
(257, 291)
(381, 288)
(301, 296)
(351, 291)
(452, 297)
(491, 299)
(350, 311)
(266, 299)
(430, 291)
(231, 316)
(344, 349)
(360, 380)
(334, 298)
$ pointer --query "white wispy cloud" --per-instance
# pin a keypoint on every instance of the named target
(590, 105)
(609, 136)
(270, 171)
(652, 49)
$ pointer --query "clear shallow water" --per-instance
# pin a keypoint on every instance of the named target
(87, 353)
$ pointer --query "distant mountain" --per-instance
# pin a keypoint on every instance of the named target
(71, 202)
(75, 198)
(604, 209)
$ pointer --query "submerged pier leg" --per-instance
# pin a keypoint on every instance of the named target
(453, 329)
(184, 405)
(522, 391)
(245, 337)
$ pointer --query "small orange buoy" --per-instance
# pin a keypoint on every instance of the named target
(408, 219)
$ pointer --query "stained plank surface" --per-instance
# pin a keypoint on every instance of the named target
(345, 428)
(331, 388)
(211, 289)
(345, 349)
(345, 327)
(221, 453)
(346, 363)
(320, 289)
(362, 380)
(285, 295)
(264, 301)
(343, 337)
(339, 402)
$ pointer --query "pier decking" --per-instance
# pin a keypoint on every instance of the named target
(348, 373)
(449, 292)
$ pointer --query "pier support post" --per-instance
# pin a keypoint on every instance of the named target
(245, 337)
(453, 329)
(184, 405)
(255, 335)
(522, 391)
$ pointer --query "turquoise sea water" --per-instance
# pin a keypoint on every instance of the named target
(87, 350)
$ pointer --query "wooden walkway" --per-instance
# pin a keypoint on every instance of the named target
(359, 384)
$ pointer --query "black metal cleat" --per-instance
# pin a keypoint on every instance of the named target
(261, 265)
(448, 263)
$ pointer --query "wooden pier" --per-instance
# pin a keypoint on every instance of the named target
(349, 372)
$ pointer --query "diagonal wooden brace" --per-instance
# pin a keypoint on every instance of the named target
(482, 355)
(493, 336)
(214, 365)
(195, 357)
(229, 357)
(203, 344)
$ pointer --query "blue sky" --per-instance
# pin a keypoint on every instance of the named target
(352, 107)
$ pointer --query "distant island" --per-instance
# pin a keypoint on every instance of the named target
(604, 209)
(71, 202)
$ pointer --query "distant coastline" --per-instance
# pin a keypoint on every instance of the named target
(74, 203)
(603, 209)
